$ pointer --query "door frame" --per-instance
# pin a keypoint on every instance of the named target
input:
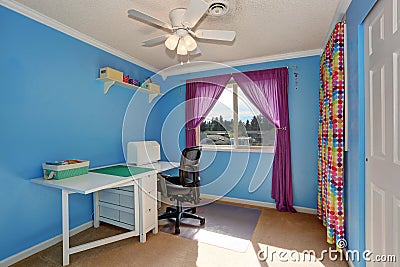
(357, 136)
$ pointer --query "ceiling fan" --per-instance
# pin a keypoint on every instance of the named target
(183, 20)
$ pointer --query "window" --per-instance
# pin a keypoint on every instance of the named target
(236, 123)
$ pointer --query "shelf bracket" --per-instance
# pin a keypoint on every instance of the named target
(107, 86)
(152, 96)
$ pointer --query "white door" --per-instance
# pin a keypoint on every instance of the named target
(382, 83)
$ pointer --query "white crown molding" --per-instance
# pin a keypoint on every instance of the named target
(198, 67)
(42, 246)
(278, 57)
(339, 15)
(39, 17)
(254, 203)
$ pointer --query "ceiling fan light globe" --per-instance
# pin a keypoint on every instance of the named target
(172, 42)
(190, 42)
(182, 52)
(182, 49)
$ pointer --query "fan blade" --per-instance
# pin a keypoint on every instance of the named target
(156, 40)
(194, 12)
(142, 16)
(195, 52)
(216, 35)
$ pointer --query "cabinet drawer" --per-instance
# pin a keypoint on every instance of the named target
(126, 217)
(126, 201)
(150, 195)
(109, 196)
(149, 183)
(149, 210)
(127, 188)
(109, 213)
(149, 200)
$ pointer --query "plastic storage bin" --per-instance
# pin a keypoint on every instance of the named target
(70, 168)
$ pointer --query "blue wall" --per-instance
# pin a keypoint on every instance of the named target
(355, 158)
(248, 175)
(51, 107)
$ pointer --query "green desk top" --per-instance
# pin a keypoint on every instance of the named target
(122, 170)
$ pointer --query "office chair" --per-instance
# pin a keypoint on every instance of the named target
(183, 188)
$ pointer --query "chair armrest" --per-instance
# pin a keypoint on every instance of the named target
(162, 175)
(174, 180)
(161, 184)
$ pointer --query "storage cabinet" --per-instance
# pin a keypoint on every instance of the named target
(132, 207)
(148, 200)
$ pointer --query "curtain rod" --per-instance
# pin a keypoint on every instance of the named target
(288, 67)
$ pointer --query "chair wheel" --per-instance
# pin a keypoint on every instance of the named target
(177, 231)
(203, 221)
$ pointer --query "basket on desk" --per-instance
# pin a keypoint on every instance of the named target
(64, 171)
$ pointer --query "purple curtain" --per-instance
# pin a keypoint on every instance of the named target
(268, 91)
(201, 96)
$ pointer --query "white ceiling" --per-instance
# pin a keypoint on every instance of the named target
(263, 27)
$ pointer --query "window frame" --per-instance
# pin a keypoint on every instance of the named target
(235, 147)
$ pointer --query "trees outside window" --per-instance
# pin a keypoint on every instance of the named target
(235, 122)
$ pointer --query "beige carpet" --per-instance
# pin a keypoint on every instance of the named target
(274, 231)
(228, 226)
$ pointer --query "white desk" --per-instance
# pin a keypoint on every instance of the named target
(161, 166)
(93, 183)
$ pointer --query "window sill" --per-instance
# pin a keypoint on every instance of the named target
(268, 149)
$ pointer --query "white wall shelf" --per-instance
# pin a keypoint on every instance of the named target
(110, 82)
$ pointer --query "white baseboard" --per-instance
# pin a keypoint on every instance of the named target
(255, 203)
(41, 246)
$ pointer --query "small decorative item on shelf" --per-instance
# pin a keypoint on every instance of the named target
(65, 168)
(144, 84)
(111, 73)
(135, 82)
(129, 80)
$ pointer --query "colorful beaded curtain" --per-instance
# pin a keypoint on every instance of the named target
(331, 139)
